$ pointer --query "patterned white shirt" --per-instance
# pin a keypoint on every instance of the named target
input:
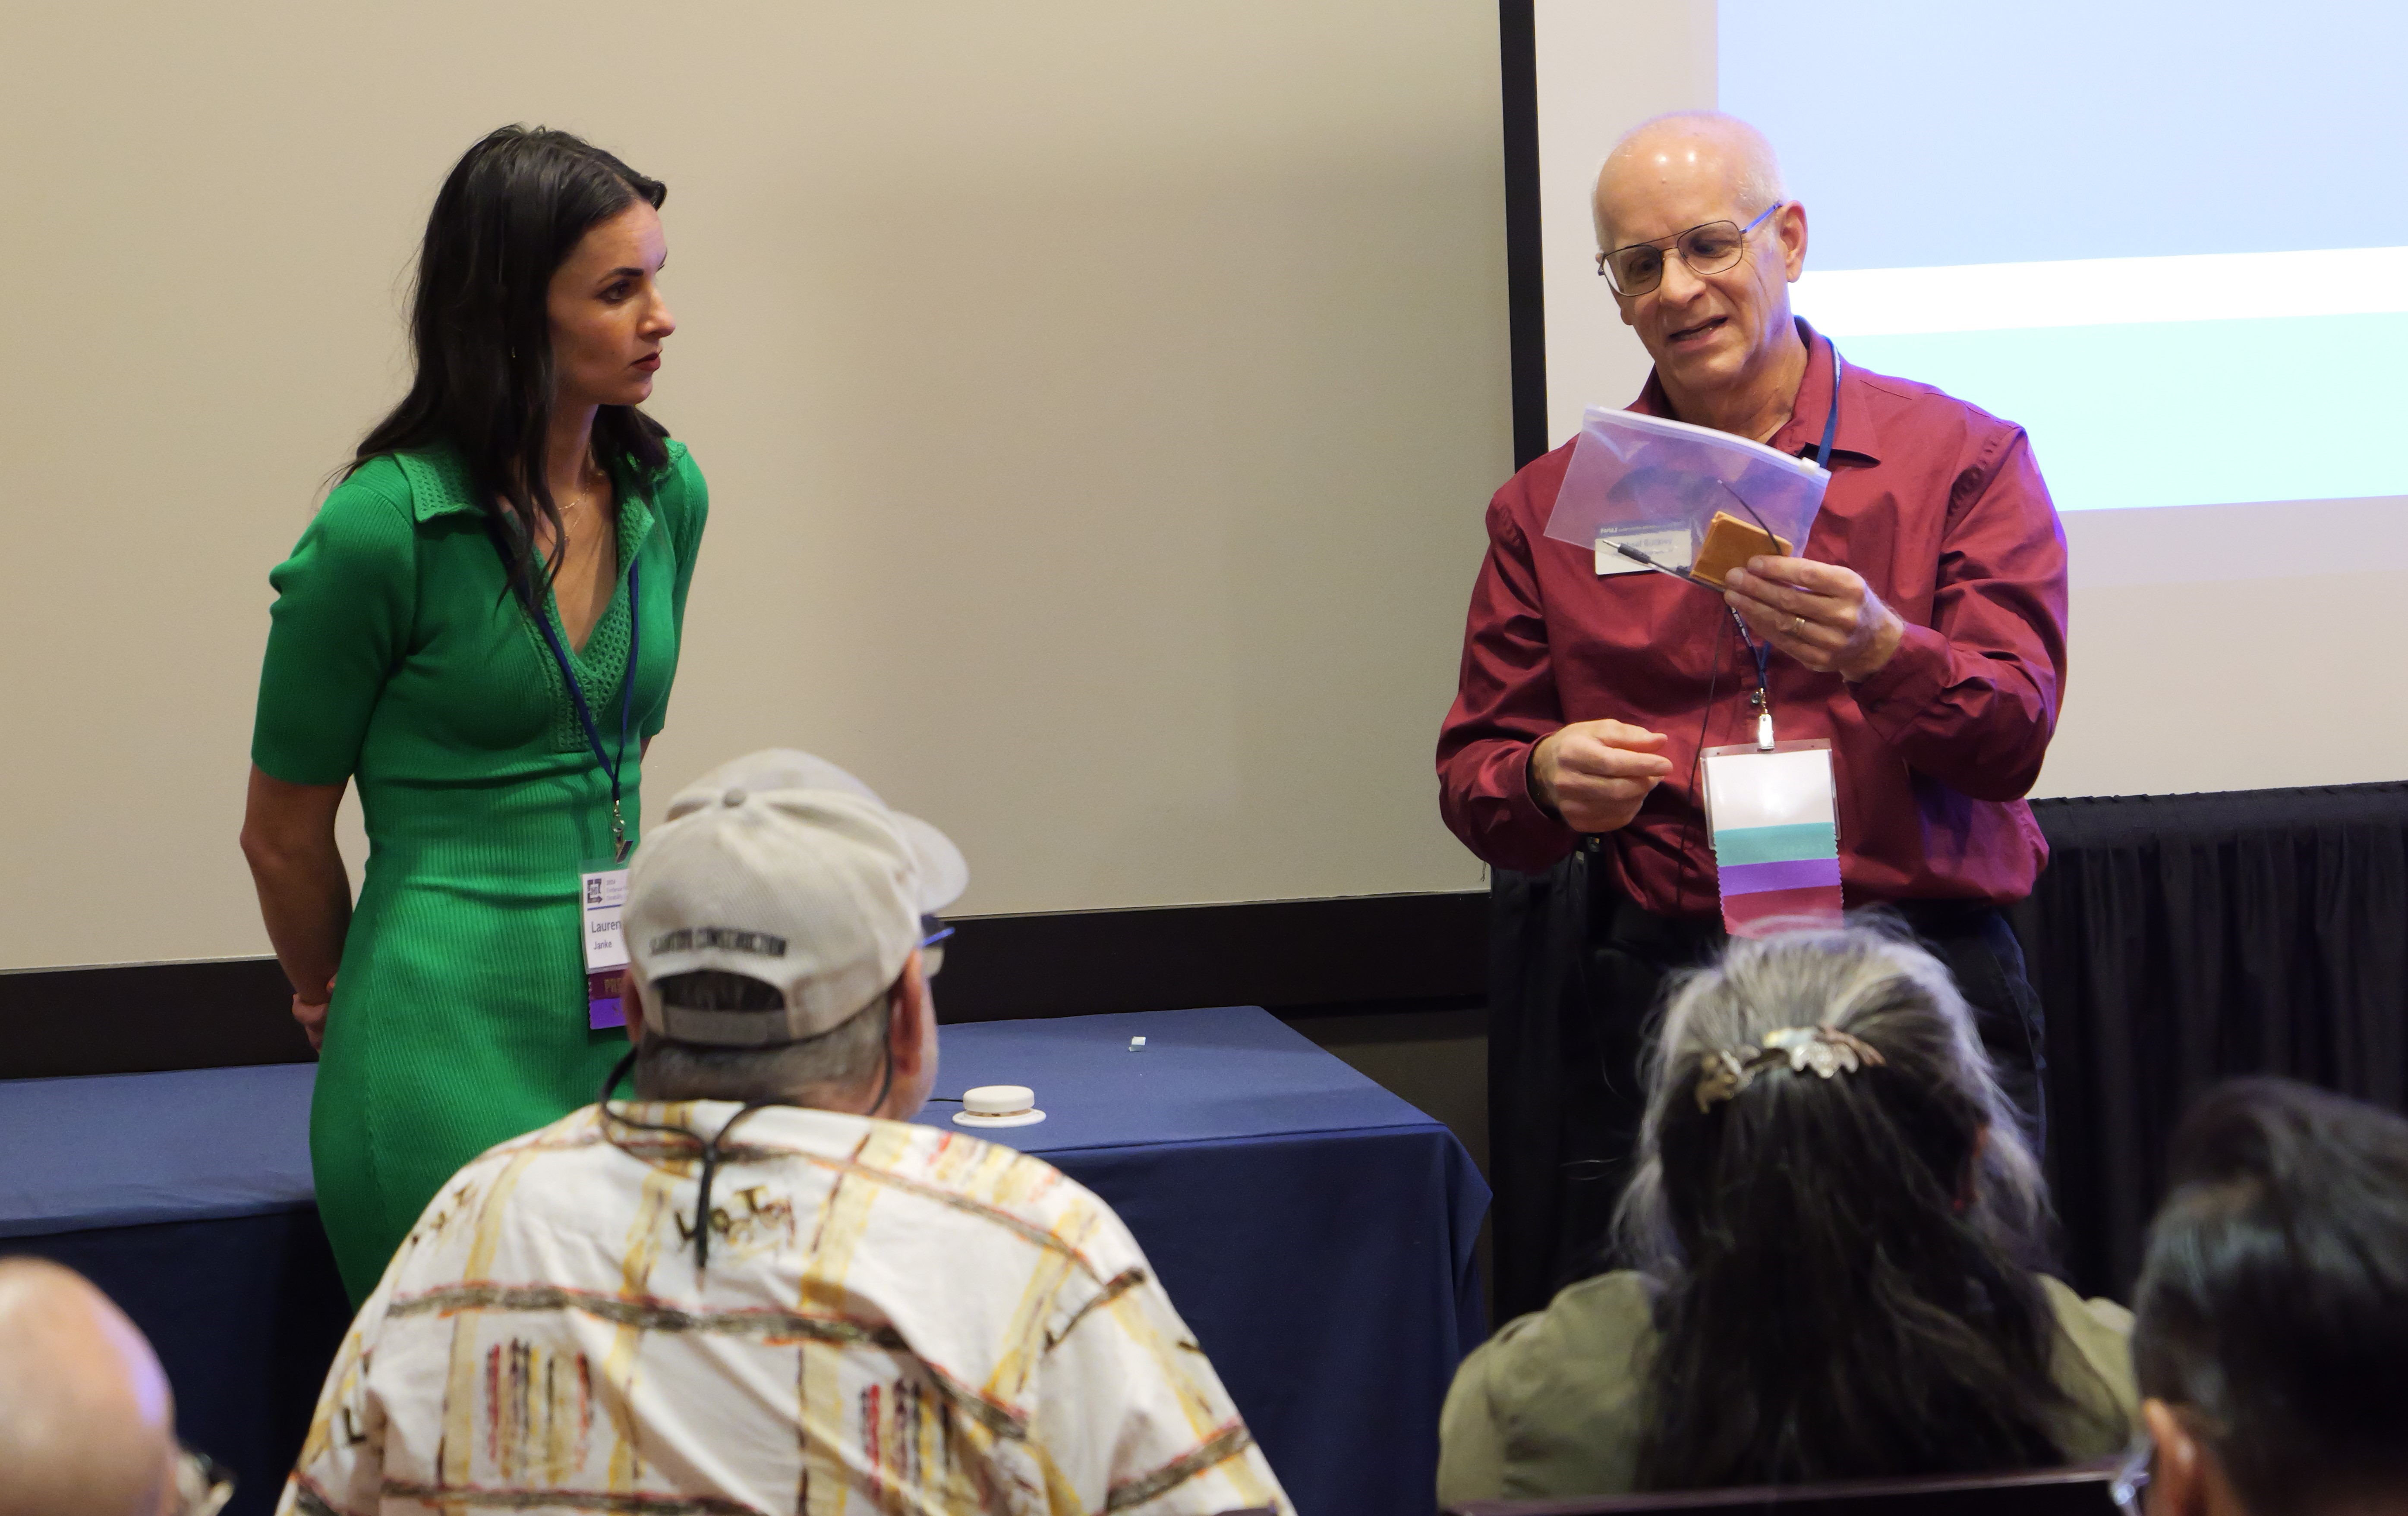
(890, 1319)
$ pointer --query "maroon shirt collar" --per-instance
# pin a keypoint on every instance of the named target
(1803, 432)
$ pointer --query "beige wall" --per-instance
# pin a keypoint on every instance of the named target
(1098, 402)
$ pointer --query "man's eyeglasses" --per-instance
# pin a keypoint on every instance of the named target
(1709, 249)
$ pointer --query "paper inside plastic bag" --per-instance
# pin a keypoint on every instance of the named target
(1632, 474)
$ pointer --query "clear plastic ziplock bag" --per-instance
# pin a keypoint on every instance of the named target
(1636, 477)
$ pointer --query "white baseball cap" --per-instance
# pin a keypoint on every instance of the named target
(782, 867)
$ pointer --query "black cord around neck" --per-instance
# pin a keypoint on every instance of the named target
(711, 1154)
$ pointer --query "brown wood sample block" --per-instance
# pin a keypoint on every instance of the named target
(1729, 544)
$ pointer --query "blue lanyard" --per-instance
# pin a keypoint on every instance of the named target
(1831, 421)
(1763, 651)
(585, 713)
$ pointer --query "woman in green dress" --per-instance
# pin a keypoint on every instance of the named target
(478, 628)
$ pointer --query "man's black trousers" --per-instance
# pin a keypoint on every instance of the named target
(1576, 973)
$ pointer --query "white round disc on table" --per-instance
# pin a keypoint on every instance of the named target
(999, 1105)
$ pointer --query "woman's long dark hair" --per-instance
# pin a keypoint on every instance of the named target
(1834, 1304)
(510, 214)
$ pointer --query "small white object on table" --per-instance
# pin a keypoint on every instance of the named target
(999, 1105)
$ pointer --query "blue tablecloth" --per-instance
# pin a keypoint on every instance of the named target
(1315, 1231)
(187, 1197)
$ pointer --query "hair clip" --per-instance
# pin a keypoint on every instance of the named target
(1826, 1050)
(1724, 1072)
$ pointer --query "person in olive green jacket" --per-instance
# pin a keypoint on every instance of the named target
(479, 628)
(1836, 1220)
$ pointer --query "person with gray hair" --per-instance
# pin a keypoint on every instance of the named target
(754, 1287)
(1834, 1227)
(87, 1420)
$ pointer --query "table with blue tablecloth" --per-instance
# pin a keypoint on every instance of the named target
(1315, 1231)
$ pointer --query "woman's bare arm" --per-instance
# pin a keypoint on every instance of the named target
(305, 896)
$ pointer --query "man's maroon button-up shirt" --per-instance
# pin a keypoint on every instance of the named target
(1942, 509)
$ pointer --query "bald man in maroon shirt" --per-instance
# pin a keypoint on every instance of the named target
(1921, 629)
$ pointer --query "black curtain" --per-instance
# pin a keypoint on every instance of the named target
(1538, 932)
(2174, 941)
(2178, 940)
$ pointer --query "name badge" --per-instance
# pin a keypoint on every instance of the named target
(1668, 545)
(604, 893)
(1774, 815)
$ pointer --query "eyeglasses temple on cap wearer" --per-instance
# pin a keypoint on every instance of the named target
(932, 945)
(203, 1485)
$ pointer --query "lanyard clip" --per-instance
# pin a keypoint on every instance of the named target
(618, 834)
(1764, 732)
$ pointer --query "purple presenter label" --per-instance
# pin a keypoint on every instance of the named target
(1796, 874)
(605, 1007)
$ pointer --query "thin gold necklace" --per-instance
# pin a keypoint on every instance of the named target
(589, 485)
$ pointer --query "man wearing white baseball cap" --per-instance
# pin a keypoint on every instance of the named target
(755, 1287)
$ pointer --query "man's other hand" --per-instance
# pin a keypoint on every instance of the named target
(1824, 616)
(1594, 773)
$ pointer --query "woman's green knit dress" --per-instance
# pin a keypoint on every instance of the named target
(399, 659)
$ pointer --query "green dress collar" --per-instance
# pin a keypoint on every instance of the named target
(441, 486)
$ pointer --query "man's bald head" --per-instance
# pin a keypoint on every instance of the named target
(1726, 346)
(1702, 149)
(87, 1423)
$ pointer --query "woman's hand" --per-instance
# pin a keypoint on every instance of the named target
(313, 1018)
(305, 896)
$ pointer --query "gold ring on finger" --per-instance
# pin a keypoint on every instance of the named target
(1797, 625)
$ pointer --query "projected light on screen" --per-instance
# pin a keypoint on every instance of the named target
(2172, 241)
